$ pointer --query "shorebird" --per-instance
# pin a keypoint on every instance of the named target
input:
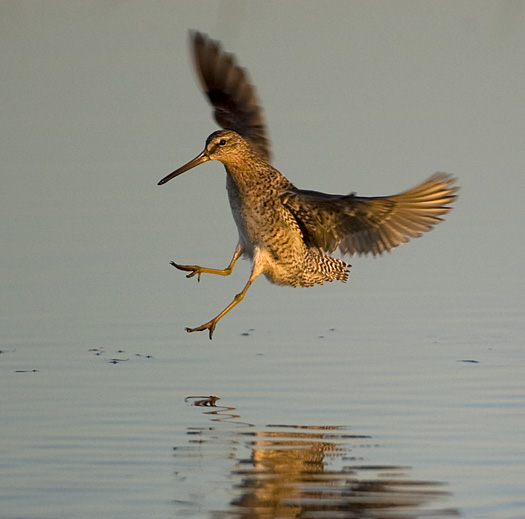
(287, 232)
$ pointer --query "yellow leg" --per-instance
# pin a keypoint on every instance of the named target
(210, 325)
(195, 269)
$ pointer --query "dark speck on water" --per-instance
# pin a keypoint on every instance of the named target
(116, 361)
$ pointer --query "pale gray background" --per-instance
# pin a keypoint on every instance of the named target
(99, 103)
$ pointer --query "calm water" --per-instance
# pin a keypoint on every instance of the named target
(398, 395)
(331, 426)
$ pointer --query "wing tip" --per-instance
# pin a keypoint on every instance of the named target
(227, 85)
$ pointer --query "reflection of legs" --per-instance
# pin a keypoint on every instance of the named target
(195, 269)
(210, 325)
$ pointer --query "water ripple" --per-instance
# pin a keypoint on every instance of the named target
(285, 471)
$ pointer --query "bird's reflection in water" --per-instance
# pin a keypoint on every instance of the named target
(292, 471)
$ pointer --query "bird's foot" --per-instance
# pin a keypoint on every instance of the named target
(192, 269)
(210, 326)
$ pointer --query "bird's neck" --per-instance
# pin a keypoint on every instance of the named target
(253, 174)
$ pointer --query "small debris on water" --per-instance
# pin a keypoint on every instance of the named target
(116, 361)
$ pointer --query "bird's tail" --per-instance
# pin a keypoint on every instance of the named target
(327, 268)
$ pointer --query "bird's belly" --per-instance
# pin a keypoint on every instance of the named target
(246, 238)
(285, 260)
(271, 240)
(276, 271)
(278, 257)
(252, 224)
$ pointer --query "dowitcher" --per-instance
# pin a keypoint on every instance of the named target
(287, 232)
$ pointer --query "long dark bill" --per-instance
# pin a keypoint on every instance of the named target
(199, 159)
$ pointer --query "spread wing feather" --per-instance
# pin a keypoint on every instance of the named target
(361, 225)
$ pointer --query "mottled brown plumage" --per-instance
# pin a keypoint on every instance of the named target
(288, 232)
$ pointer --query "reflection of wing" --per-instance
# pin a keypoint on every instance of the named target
(359, 225)
(233, 98)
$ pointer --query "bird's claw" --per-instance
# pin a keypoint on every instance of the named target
(198, 272)
(210, 326)
(192, 269)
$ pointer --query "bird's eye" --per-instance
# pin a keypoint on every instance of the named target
(222, 142)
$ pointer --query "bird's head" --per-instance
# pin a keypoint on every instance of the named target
(226, 146)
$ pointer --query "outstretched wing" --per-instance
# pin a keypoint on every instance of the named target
(234, 99)
(360, 225)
